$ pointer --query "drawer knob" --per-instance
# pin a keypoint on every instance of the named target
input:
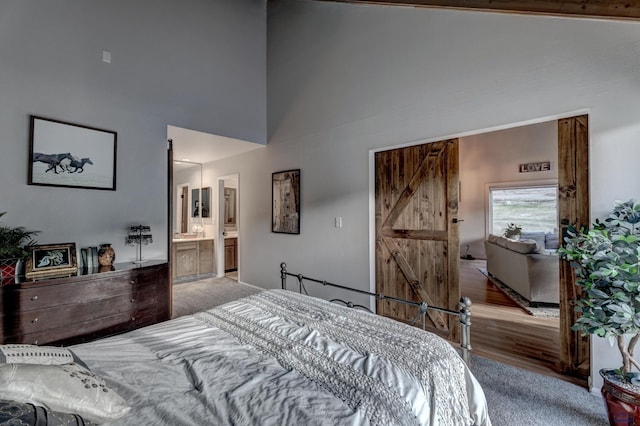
(35, 342)
(132, 282)
(133, 318)
(35, 320)
(133, 300)
(34, 298)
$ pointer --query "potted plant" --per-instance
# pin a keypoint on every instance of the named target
(606, 263)
(15, 243)
(513, 231)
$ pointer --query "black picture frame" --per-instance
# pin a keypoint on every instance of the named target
(71, 155)
(285, 205)
(52, 259)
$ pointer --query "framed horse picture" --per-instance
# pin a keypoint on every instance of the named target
(71, 155)
(52, 259)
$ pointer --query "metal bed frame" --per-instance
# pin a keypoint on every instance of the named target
(464, 313)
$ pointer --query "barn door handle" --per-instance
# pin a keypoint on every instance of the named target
(456, 220)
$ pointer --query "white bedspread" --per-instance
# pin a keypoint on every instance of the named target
(280, 358)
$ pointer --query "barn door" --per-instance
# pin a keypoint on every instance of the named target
(417, 241)
(573, 210)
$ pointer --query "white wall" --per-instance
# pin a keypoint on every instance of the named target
(195, 64)
(494, 157)
(345, 79)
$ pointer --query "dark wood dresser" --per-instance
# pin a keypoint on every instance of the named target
(86, 306)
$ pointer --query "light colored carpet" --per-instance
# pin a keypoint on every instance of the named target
(196, 296)
(536, 311)
(519, 397)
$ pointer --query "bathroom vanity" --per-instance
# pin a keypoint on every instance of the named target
(192, 257)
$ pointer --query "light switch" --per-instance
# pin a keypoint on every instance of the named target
(338, 222)
(106, 56)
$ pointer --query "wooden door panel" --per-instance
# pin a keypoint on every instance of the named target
(414, 210)
(573, 210)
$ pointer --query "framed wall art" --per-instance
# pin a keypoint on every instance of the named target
(52, 259)
(285, 212)
(71, 155)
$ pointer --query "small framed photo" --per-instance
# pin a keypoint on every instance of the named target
(52, 259)
(71, 155)
(285, 213)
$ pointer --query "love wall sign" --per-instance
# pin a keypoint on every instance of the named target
(541, 166)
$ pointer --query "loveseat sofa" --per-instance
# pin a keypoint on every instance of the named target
(525, 267)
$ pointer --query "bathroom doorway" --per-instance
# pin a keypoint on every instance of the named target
(228, 227)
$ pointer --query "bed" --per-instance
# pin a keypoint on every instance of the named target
(273, 358)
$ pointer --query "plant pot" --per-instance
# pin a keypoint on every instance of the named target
(621, 398)
(10, 270)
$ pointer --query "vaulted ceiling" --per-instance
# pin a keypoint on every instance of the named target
(607, 9)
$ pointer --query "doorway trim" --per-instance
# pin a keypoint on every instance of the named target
(372, 172)
(220, 260)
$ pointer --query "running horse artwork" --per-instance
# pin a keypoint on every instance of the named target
(53, 160)
(73, 165)
(71, 155)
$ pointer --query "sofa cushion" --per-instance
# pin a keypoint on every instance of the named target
(522, 246)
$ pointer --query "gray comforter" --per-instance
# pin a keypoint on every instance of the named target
(280, 358)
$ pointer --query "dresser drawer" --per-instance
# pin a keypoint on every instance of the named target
(156, 275)
(38, 297)
(88, 330)
(59, 316)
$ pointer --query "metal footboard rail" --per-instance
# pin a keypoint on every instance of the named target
(464, 305)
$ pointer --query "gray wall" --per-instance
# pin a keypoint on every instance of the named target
(195, 64)
(344, 80)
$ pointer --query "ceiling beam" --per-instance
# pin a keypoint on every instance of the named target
(607, 9)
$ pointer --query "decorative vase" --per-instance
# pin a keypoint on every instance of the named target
(622, 399)
(106, 255)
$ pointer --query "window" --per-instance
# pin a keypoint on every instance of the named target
(534, 208)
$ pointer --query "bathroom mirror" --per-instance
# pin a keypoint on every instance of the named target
(229, 206)
(201, 202)
(187, 178)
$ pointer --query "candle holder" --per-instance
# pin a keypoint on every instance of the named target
(140, 235)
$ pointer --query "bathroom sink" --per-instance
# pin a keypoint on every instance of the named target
(185, 236)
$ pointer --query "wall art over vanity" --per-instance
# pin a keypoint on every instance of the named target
(71, 155)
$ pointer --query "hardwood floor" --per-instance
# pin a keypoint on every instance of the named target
(502, 331)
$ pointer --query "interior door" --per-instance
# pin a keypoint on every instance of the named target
(573, 210)
(417, 236)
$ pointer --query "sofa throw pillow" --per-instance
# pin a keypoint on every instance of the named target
(32, 354)
(68, 388)
(551, 241)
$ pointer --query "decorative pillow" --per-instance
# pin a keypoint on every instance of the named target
(69, 388)
(32, 354)
(18, 413)
(551, 241)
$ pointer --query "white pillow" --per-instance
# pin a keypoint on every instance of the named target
(32, 354)
(69, 388)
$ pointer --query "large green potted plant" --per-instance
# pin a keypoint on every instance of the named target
(606, 263)
(15, 243)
